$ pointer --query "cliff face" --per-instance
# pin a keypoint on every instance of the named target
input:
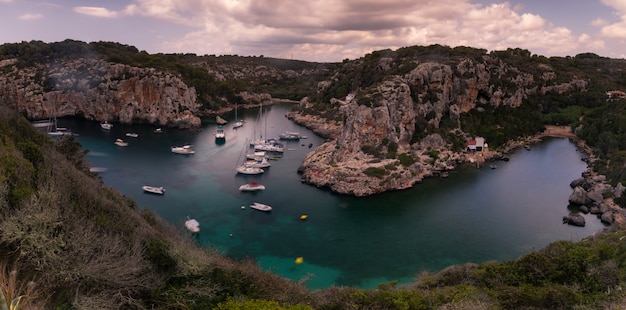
(99, 90)
(382, 120)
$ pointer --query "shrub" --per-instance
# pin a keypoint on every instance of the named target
(377, 172)
(406, 159)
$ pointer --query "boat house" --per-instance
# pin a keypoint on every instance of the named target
(478, 144)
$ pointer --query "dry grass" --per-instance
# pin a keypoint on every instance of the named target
(17, 293)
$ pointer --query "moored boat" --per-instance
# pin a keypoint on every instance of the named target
(251, 187)
(132, 134)
(260, 206)
(249, 170)
(261, 162)
(120, 142)
(106, 125)
(192, 225)
(290, 135)
(185, 149)
(160, 190)
(219, 133)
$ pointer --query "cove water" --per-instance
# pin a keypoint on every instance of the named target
(474, 215)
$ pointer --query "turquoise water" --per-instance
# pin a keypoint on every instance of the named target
(474, 215)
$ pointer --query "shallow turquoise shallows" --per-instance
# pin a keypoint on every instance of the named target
(474, 215)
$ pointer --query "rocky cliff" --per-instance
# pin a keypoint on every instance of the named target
(375, 149)
(98, 90)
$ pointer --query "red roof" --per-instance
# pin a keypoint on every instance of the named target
(473, 142)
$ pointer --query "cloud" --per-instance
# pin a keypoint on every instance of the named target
(332, 30)
(599, 22)
(618, 29)
(96, 11)
(30, 16)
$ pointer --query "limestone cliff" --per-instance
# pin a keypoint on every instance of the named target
(375, 148)
(99, 90)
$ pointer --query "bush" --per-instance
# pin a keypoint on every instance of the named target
(406, 159)
(377, 172)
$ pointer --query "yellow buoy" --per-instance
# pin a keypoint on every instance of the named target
(299, 260)
(303, 217)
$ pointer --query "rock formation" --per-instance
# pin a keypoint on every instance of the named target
(99, 90)
(592, 194)
(376, 149)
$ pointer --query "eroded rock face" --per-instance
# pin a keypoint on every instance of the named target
(377, 149)
(99, 90)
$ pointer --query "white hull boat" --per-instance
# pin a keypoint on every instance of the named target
(262, 162)
(132, 134)
(106, 126)
(219, 133)
(260, 206)
(249, 170)
(290, 135)
(192, 225)
(120, 142)
(154, 189)
(185, 149)
(251, 187)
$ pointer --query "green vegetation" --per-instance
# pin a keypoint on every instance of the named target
(377, 172)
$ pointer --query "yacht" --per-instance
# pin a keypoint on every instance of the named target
(260, 206)
(120, 142)
(251, 187)
(192, 225)
(249, 170)
(219, 133)
(106, 125)
(154, 190)
(259, 162)
(185, 149)
(290, 135)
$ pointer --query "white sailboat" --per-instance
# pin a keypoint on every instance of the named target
(238, 123)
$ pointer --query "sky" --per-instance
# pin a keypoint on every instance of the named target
(323, 30)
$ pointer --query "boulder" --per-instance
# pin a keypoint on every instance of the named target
(607, 217)
(584, 209)
(574, 219)
(579, 196)
(577, 182)
(618, 190)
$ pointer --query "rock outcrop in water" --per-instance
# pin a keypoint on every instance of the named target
(99, 90)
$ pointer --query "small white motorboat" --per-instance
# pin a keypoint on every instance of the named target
(260, 206)
(192, 225)
(261, 162)
(154, 189)
(120, 142)
(132, 134)
(106, 125)
(219, 133)
(249, 170)
(185, 149)
(251, 187)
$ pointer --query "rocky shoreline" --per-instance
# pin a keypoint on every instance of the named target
(591, 192)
